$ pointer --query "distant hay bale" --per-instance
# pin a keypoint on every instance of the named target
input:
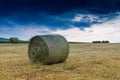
(48, 49)
(14, 40)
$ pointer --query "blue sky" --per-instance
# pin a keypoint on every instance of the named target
(76, 20)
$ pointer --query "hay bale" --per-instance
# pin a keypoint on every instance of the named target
(14, 40)
(48, 49)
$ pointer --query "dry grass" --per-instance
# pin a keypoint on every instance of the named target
(85, 62)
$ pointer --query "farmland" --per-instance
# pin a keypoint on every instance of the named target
(85, 62)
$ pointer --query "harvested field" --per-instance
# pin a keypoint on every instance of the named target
(85, 62)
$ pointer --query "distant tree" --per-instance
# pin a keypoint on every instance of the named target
(93, 41)
(105, 41)
(98, 41)
(14, 40)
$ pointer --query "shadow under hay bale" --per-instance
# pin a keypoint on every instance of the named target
(48, 49)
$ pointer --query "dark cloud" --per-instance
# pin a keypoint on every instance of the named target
(9, 7)
(46, 11)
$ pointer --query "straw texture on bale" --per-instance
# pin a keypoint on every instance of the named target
(48, 49)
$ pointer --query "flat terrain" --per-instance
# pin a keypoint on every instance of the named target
(85, 62)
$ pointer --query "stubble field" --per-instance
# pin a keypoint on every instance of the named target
(85, 62)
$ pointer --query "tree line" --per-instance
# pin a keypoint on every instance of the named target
(100, 41)
(13, 40)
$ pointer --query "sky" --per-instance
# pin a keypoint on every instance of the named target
(76, 20)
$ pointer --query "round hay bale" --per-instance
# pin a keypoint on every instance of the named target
(48, 49)
(14, 40)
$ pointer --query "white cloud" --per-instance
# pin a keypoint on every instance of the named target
(87, 17)
(109, 30)
(92, 18)
(24, 32)
(78, 18)
(32, 31)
